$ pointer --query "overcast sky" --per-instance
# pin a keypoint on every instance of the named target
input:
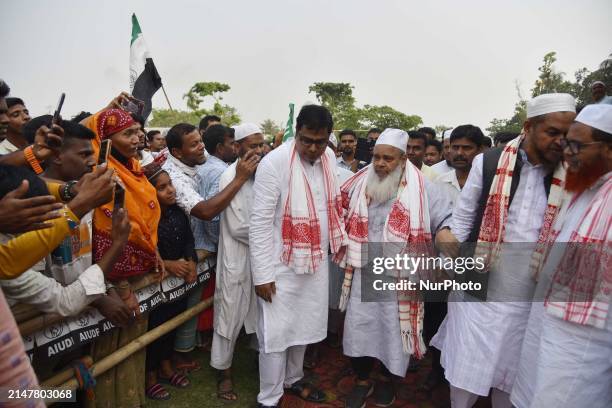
(451, 62)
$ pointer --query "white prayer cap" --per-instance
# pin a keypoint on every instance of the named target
(548, 103)
(244, 130)
(393, 137)
(446, 134)
(598, 116)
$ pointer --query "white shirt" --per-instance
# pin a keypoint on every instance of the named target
(7, 147)
(147, 157)
(49, 296)
(429, 173)
(185, 180)
(449, 184)
(441, 167)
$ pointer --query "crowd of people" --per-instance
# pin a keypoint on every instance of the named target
(291, 226)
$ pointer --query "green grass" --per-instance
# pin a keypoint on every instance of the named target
(203, 389)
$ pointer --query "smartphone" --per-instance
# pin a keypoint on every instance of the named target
(119, 197)
(58, 110)
(56, 118)
(105, 148)
(133, 105)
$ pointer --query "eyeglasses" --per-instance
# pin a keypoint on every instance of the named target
(309, 142)
(574, 146)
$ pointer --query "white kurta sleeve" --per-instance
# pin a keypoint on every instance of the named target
(439, 206)
(49, 296)
(267, 192)
(236, 214)
(464, 212)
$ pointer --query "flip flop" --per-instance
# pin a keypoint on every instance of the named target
(189, 367)
(177, 380)
(226, 392)
(157, 392)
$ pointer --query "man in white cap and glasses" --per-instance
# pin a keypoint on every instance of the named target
(445, 166)
(390, 203)
(296, 221)
(235, 301)
(566, 356)
(507, 202)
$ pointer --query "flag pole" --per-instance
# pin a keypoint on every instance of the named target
(166, 95)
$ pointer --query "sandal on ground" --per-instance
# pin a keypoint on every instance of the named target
(225, 389)
(157, 392)
(306, 391)
(358, 395)
(177, 380)
(384, 394)
(188, 367)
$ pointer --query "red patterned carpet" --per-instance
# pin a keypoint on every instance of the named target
(333, 375)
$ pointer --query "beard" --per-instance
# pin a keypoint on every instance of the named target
(585, 177)
(382, 190)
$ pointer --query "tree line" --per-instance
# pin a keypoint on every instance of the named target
(338, 98)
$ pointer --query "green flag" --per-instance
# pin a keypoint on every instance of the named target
(144, 78)
(289, 128)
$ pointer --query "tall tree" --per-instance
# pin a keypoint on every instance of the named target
(338, 98)
(169, 118)
(268, 127)
(550, 80)
(195, 97)
(386, 117)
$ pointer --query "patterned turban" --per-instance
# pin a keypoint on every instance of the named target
(112, 121)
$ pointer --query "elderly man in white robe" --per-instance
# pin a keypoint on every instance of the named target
(389, 202)
(235, 301)
(508, 200)
(296, 220)
(566, 360)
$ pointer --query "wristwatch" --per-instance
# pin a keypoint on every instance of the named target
(66, 191)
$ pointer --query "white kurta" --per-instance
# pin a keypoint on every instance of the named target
(481, 341)
(563, 364)
(235, 300)
(441, 167)
(298, 312)
(372, 329)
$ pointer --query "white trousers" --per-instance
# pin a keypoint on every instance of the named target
(222, 351)
(277, 370)
(461, 398)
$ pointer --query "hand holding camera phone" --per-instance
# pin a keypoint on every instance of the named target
(105, 148)
(132, 105)
(55, 120)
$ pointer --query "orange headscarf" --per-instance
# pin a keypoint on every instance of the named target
(141, 203)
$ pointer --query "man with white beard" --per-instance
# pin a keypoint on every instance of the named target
(296, 219)
(566, 356)
(388, 202)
